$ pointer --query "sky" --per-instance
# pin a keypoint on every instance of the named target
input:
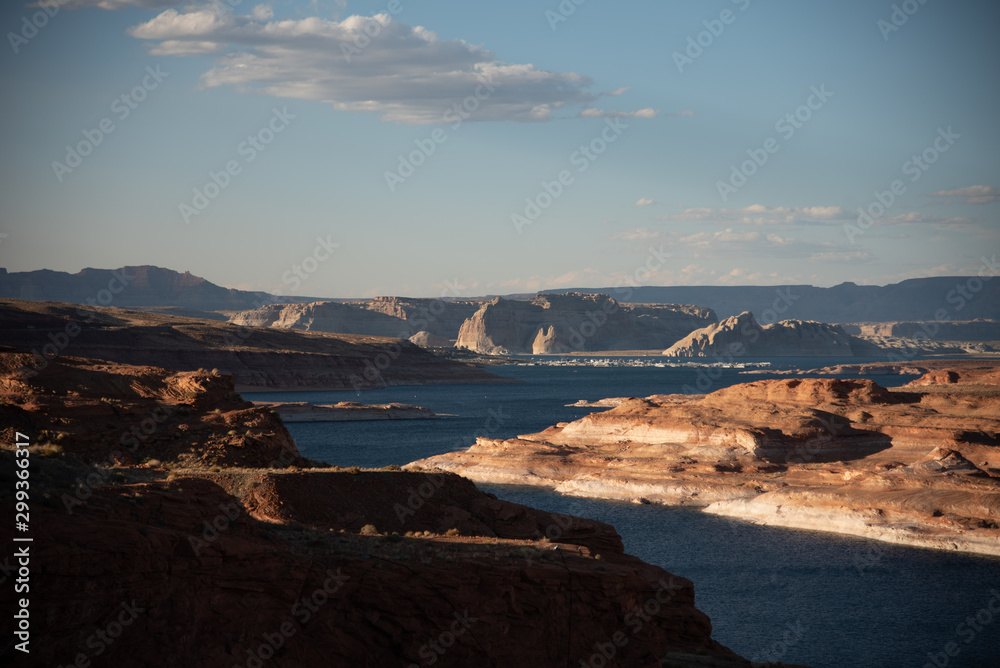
(335, 148)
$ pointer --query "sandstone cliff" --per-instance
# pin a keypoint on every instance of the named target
(560, 324)
(258, 358)
(171, 563)
(920, 467)
(399, 317)
(742, 335)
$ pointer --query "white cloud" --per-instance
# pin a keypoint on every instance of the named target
(758, 214)
(366, 64)
(917, 217)
(118, 4)
(971, 194)
(590, 112)
(645, 201)
(843, 257)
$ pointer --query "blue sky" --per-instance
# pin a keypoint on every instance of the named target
(312, 104)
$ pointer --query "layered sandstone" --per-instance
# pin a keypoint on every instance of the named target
(312, 565)
(400, 317)
(920, 466)
(557, 324)
(743, 335)
(258, 358)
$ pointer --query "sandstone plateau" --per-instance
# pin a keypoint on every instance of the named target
(558, 324)
(743, 335)
(239, 562)
(918, 465)
(259, 358)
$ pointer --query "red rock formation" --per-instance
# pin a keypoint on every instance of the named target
(742, 335)
(229, 566)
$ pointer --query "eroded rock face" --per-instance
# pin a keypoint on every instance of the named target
(919, 467)
(558, 324)
(117, 414)
(743, 335)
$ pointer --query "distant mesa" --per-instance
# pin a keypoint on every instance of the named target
(912, 300)
(129, 287)
(743, 335)
(563, 323)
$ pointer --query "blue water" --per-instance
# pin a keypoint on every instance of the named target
(779, 594)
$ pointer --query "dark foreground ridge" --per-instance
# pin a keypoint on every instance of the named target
(161, 539)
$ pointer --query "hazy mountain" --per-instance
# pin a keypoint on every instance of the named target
(917, 299)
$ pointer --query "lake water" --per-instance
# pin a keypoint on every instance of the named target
(779, 594)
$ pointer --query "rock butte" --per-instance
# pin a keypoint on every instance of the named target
(917, 466)
(266, 552)
(556, 324)
(743, 335)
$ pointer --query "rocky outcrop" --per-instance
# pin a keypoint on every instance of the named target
(425, 339)
(558, 324)
(399, 317)
(258, 358)
(172, 563)
(118, 414)
(742, 335)
(346, 411)
(919, 467)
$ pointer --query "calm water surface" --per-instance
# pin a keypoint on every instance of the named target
(796, 596)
